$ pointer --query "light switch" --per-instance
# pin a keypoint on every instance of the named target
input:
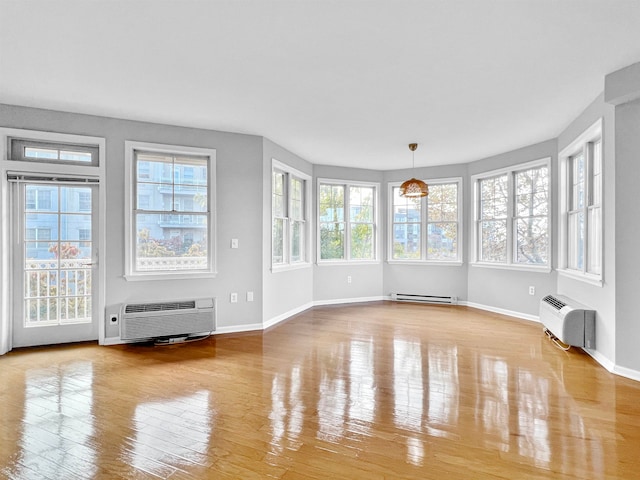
(234, 243)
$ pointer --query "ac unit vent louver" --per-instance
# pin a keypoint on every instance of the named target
(159, 307)
(554, 302)
(167, 319)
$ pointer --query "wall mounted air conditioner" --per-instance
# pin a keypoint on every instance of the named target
(166, 319)
(569, 321)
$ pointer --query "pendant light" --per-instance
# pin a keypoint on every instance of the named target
(414, 188)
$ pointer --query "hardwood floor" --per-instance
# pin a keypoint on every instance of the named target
(370, 391)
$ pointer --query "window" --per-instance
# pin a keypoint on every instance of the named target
(53, 152)
(289, 213)
(581, 206)
(170, 215)
(428, 228)
(347, 220)
(512, 216)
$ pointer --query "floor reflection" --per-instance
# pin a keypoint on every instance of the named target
(170, 433)
(408, 384)
(58, 423)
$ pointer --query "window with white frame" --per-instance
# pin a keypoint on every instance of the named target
(512, 216)
(581, 206)
(427, 228)
(347, 221)
(289, 212)
(170, 214)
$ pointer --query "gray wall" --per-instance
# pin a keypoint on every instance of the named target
(239, 160)
(602, 299)
(627, 233)
(509, 289)
(622, 89)
(288, 290)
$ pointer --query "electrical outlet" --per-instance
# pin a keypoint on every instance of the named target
(249, 296)
(113, 319)
(532, 290)
(348, 278)
(234, 298)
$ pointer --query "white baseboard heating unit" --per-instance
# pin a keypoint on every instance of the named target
(409, 297)
(569, 321)
(165, 319)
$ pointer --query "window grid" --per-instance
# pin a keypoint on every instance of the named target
(347, 222)
(171, 212)
(584, 214)
(426, 229)
(288, 217)
(512, 216)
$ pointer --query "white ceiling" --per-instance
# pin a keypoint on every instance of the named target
(337, 82)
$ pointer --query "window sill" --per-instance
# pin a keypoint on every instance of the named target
(332, 263)
(430, 263)
(582, 277)
(142, 277)
(288, 268)
(521, 268)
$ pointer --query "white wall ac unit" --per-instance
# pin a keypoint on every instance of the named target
(166, 319)
(570, 322)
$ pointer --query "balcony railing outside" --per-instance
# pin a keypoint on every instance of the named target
(57, 292)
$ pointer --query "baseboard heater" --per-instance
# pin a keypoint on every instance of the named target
(142, 321)
(410, 297)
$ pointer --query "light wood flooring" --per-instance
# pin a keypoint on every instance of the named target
(366, 391)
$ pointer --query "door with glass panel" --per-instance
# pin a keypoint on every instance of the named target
(55, 263)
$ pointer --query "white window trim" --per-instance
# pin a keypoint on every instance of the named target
(511, 237)
(95, 171)
(376, 223)
(423, 223)
(306, 262)
(129, 200)
(591, 134)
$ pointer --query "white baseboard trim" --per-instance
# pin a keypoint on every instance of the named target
(338, 301)
(502, 311)
(627, 372)
(238, 328)
(601, 359)
(283, 316)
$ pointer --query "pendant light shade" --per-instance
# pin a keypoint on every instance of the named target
(414, 188)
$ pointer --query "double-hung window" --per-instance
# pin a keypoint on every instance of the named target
(169, 221)
(347, 221)
(289, 213)
(427, 229)
(581, 206)
(512, 216)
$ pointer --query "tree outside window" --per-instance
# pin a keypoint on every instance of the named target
(512, 216)
(347, 225)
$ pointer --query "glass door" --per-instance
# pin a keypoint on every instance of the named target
(55, 264)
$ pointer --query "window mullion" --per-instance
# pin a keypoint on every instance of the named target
(424, 228)
(512, 236)
(588, 163)
(347, 223)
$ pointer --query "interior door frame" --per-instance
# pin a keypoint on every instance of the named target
(7, 165)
